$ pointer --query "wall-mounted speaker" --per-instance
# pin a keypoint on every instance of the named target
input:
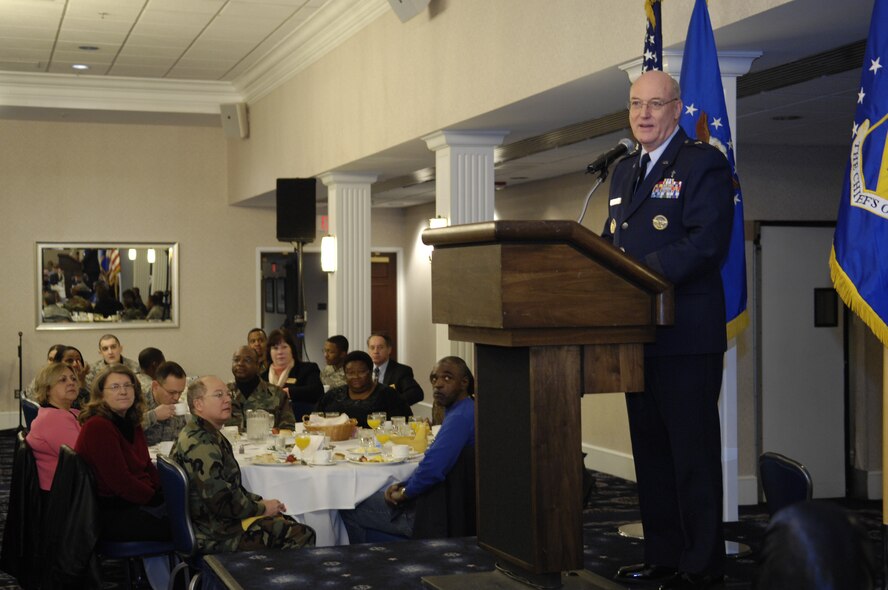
(296, 209)
(235, 123)
(407, 9)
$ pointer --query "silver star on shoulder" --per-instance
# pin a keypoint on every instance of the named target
(690, 109)
(875, 65)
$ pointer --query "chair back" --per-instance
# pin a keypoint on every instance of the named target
(20, 554)
(450, 508)
(784, 481)
(175, 491)
(29, 409)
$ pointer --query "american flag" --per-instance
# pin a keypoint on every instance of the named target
(653, 37)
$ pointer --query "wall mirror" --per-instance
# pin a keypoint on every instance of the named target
(89, 285)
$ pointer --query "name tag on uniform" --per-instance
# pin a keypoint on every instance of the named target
(291, 380)
(614, 202)
(668, 188)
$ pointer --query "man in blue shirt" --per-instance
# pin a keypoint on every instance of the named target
(392, 510)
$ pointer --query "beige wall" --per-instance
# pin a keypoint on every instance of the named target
(83, 182)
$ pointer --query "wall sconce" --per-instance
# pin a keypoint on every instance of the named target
(438, 221)
(131, 253)
(328, 254)
(152, 255)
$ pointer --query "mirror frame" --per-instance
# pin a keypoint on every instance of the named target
(173, 322)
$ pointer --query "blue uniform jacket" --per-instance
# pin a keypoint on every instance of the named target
(679, 224)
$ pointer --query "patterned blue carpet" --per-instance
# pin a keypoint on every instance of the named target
(372, 566)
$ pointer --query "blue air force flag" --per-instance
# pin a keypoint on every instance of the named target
(705, 118)
(653, 37)
(858, 262)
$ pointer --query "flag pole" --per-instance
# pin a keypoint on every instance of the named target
(884, 463)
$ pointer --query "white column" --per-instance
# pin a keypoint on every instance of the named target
(348, 207)
(732, 64)
(464, 192)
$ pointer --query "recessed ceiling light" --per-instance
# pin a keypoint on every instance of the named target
(80, 67)
(88, 48)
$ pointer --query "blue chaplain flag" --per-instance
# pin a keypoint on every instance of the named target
(653, 37)
(705, 118)
(859, 259)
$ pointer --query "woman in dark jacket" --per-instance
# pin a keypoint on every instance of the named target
(301, 381)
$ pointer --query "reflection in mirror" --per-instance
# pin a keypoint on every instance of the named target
(88, 285)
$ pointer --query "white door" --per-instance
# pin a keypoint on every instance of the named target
(803, 414)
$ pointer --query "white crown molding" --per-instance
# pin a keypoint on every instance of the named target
(333, 24)
(70, 91)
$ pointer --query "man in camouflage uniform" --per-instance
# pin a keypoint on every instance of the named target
(112, 354)
(335, 351)
(220, 506)
(250, 392)
(160, 421)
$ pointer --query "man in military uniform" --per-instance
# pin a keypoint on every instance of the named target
(250, 392)
(335, 351)
(226, 516)
(674, 215)
(112, 353)
(160, 421)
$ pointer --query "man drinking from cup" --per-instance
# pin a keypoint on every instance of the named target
(393, 509)
(166, 415)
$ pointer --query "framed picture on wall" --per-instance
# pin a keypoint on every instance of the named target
(269, 295)
(280, 294)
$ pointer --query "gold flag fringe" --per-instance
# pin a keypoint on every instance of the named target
(848, 292)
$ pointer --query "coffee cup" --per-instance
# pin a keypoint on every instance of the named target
(181, 408)
(400, 451)
(323, 457)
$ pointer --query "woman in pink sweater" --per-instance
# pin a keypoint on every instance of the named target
(56, 388)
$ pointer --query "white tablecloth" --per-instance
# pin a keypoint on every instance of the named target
(314, 495)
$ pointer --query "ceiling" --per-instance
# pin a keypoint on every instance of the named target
(200, 53)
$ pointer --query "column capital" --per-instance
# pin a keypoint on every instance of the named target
(464, 138)
(730, 63)
(336, 177)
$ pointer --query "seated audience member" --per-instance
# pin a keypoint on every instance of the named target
(250, 392)
(137, 300)
(160, 421)
(56, 423)
(70, 356)
(52, 311)
(300, 381)
(390, 372)
(112, 443)
(816, 546)
(149, 359)
(156, 308)
(226, 516)
(258, 341)
(106, 304)
(79, 299)
(131, 311)
(361, 397)
(112, 354)
(333, 373)
(392, 510)
(28, 393)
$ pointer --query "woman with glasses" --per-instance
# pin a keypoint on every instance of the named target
(56, 424)
(360, 397)
(112, 443)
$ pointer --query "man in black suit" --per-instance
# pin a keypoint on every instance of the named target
(390, 372)
(676, 219)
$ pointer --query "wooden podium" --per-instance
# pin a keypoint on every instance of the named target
(554, 312)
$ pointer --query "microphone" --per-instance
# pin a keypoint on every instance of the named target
(603, 162)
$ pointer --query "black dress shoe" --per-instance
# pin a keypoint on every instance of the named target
(642, 572)
(686, 581)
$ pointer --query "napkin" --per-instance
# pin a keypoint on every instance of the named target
(318, 421)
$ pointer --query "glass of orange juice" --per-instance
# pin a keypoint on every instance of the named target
(382, 436)
(375, 419)
(303, 439)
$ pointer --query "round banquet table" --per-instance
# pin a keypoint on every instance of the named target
(314, 495)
